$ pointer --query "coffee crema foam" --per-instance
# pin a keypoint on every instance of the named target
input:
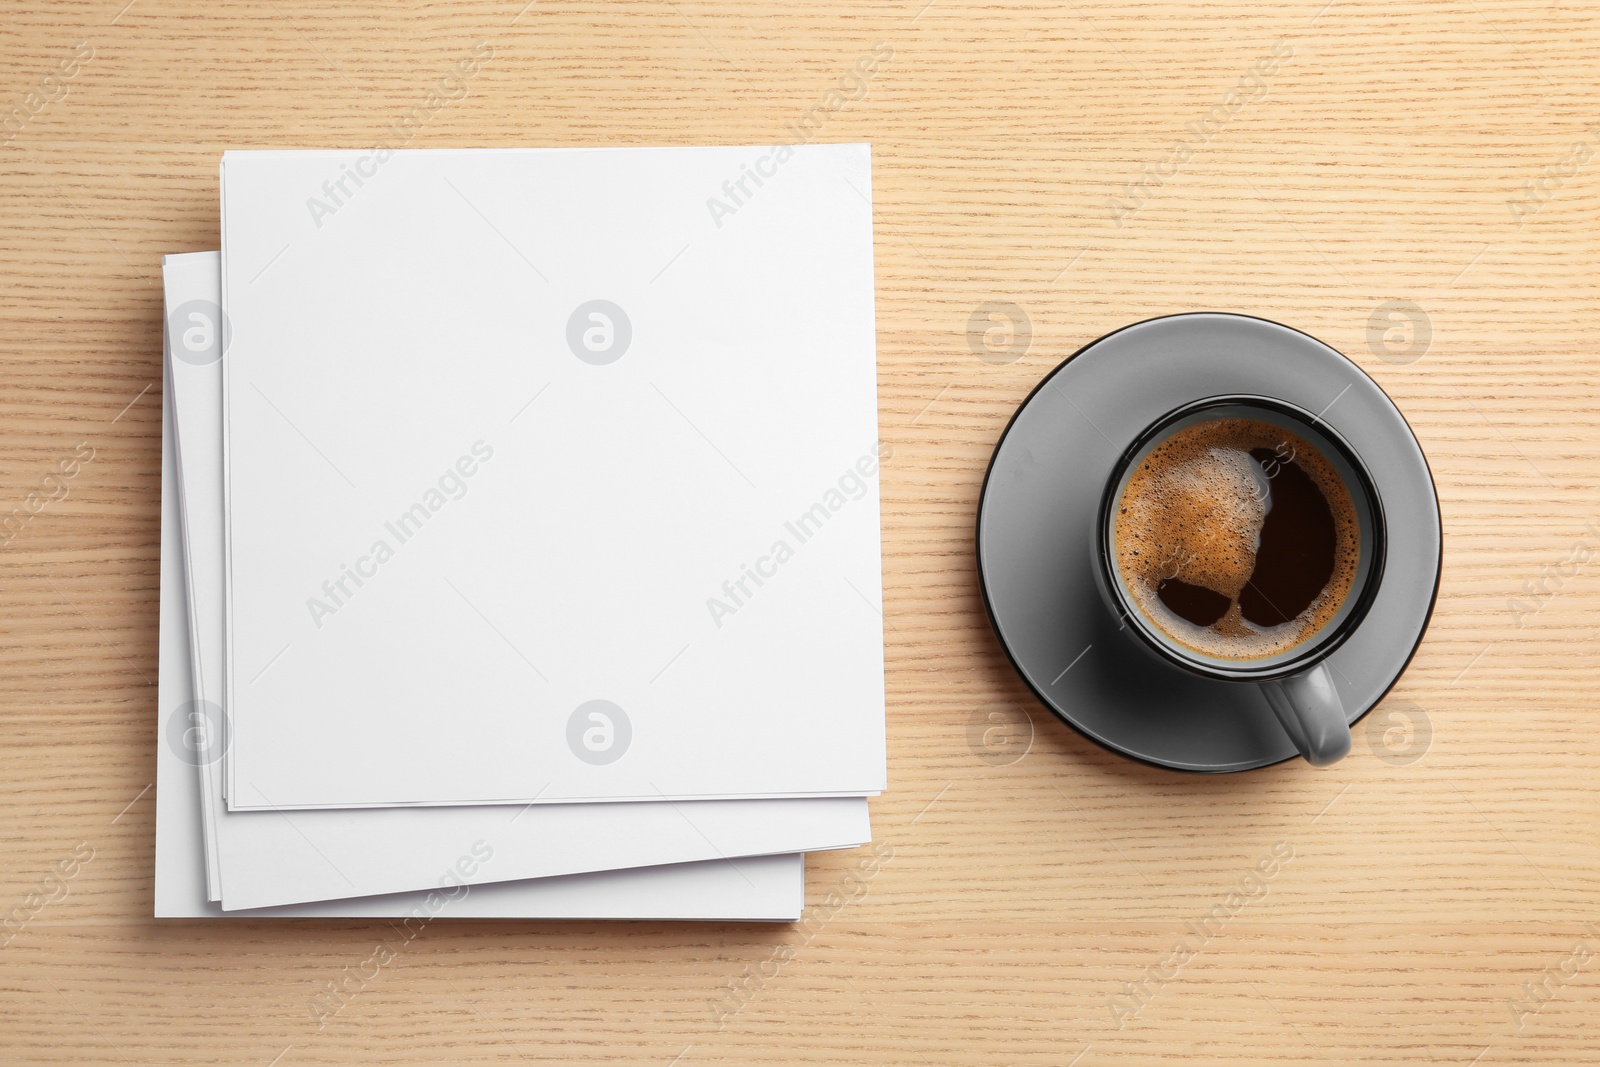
(1190, 519)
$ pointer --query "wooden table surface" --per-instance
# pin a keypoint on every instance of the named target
(1417, 184)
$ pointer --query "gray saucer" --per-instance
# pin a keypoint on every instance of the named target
(1036, 536)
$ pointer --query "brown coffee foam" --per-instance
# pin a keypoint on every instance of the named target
(1193, 510)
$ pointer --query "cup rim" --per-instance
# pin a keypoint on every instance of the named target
(1245, 670)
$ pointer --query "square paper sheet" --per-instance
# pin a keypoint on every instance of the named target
(272, 858)
(552, 476)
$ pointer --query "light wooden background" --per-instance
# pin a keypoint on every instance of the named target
(1436, 873)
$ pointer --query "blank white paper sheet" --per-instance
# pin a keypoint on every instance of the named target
(268, 858)
(551, 475)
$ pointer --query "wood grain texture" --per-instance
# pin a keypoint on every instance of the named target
(1384, 159)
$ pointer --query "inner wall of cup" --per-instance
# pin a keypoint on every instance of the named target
(1366, 526)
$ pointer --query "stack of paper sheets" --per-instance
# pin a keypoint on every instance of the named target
(520, 534)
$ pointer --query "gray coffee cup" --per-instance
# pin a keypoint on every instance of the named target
(1296, 682)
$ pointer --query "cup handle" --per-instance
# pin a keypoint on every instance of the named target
(1312, 715)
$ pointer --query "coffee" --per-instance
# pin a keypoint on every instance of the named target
(1236, 538)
